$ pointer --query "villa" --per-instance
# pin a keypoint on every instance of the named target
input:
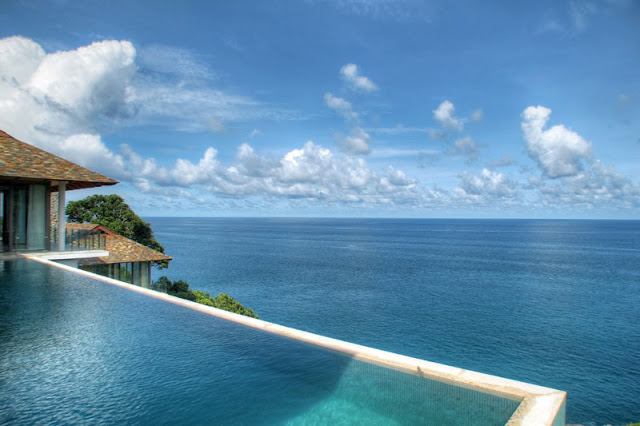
(28, 177)
(33, 185)
(127, 261)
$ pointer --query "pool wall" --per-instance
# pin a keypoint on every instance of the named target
(539, 405)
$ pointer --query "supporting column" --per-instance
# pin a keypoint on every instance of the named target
(8, 217)
(62, 188)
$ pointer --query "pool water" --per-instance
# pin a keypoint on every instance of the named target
(76, 350)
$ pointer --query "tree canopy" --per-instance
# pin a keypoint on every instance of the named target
(222, 301)
(112, 212)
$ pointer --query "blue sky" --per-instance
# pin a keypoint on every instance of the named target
(335, 108)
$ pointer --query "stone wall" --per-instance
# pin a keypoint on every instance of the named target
(54, 215)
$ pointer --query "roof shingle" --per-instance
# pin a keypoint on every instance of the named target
(19, 160)
(121, 249)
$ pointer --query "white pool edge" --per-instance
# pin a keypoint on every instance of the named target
(539, 406)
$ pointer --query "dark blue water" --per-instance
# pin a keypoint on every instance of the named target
(555, 303)
(78, 351)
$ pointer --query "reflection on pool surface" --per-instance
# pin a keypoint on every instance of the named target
(76, 350)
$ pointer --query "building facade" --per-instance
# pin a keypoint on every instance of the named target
(28, 177)
(33, 185)
(127, 261)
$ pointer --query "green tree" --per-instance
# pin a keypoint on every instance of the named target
(222, 301)
(181, 289)
(162, 284)
(113, 213)
(204, 298)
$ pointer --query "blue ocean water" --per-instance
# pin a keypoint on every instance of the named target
(549, 302)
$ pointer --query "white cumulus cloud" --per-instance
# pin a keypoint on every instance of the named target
(467, 148)
(59, 101)
(90, 151)
(356, 143)
(558, 151)
(92, 79)
(311, 172)
(47, 97)
(53, 100)
(351, 75)
(488, 186)
(597, 187)
(444, 115)
(341, 106)
(20, 59)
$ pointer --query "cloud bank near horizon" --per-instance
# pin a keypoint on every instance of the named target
(61, 101)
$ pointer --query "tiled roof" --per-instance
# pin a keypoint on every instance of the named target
(19, 160)
(121, 249)
(124, 250)
(85, 226)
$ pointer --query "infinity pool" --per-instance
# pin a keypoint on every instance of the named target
(77, 350)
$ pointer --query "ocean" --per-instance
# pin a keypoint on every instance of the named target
(550, 302)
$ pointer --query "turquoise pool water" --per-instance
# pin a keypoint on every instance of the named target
(75, 350)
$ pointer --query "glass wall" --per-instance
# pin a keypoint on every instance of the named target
(24, 217)
(131, 272)
(19, 228)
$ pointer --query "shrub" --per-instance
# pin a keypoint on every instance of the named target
(222, 301)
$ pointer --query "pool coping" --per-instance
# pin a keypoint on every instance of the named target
(539, 405)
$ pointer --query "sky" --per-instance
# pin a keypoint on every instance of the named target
(335, 108)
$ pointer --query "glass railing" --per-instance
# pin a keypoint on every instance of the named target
(80, 239)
